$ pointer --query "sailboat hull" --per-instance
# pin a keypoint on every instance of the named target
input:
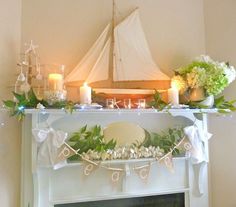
(123, 89)
(153, 84)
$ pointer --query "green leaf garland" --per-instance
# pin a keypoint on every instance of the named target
(86, 139)
(89, 139)
(29, 100)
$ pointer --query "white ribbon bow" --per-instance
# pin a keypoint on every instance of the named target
(198, 138)
(50, 140)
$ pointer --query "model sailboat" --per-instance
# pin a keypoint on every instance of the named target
(131, 61)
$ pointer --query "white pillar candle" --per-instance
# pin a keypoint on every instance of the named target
(85, 94)
(55, 82)
(173, 95)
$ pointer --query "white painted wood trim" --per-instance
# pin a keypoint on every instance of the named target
(35, 185)
(132, 111)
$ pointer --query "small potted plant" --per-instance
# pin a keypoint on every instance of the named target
(203, 79)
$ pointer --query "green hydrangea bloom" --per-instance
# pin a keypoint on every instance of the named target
(210, 75)
(216, 81)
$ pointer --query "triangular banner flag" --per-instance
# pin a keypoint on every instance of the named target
(89, 166)
(143, 171)
(167, 161)
(116, 175)
(185, 144)
(64, 152)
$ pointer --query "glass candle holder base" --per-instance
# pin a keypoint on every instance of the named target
(141, 103)
(55, 96)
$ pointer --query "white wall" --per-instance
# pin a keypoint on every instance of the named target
(220, 19)
(10, 27)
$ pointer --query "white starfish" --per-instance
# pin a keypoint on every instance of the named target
(32, 47)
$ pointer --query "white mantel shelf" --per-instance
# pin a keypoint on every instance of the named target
(45, 187)
(104, 110)
(119, 162)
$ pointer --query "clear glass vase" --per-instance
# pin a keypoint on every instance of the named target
(54, 90)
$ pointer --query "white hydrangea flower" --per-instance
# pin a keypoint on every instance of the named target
(230, 74)
(196, 78)
(204, 58)
(229, 71)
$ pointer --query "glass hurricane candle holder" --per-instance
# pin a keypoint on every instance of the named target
(54, 89)
(127, 103)
(141, 103)
(55, 96)
(110, 103)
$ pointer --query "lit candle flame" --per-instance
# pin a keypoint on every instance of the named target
(55, 76)
(175, 85)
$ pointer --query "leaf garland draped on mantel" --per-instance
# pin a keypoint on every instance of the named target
(55, 142)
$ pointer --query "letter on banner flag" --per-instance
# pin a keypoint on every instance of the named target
(167, 161)
(185, 144)
(143, 171)
(64, 152)
(89, 167)
(116, 176)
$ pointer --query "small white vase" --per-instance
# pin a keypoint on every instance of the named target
(209, 101)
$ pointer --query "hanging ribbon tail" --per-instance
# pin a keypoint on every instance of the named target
(64, 152)
(204, 135)
(208, 135)
(198, 153)
(167, 160)
(143, 171)
(89, 166)
(200, 173)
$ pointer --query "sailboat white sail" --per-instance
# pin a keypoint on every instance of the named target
(86, 65)
(132, 60)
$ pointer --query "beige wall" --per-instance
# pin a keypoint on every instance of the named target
(10, 27)
(220, 19)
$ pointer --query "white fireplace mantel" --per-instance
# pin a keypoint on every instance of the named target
(45, 187)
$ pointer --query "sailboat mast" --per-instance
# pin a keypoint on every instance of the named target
(113, 17)
(112, 62)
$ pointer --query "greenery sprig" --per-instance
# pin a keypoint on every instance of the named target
(28, 100)
(158, 103)
(224, 106)
(197, 105)
(165, 140)
(22, 101)
(89, 139)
